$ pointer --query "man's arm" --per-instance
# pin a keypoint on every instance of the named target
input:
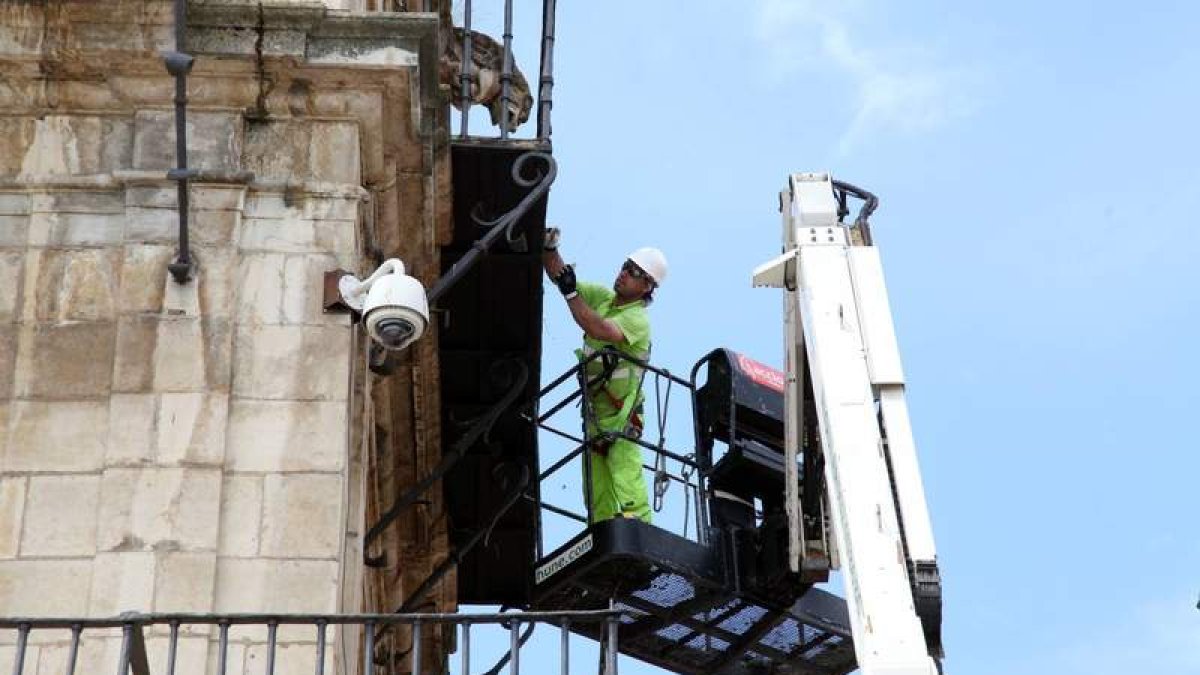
(586, 317)
(593, 324)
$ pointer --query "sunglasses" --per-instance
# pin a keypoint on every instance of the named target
(630, 268)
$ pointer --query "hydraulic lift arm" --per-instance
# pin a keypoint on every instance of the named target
(841, 346)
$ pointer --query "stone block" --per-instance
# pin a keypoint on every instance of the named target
(290, 658)
(45, 587)
(277, 436)
(12, 268)
(191, 428)
(191, 355)
(8, 358)
(14, 231)
(241, 514)
(302, 515)
(217, 277)
(214, 140)
(296, 235)
(122, 582)
(274, 205)
(334, 153)
(65, 361)
(77, 201)
(275, 288)
(243, 41)
(8, 652)
(60, 516)
(191, 653)
(303, 299)
(235, 652)
(155, 226)
(217, 196)
(14, 203)
(164, 196)
(71, 145)
(214, 227)
(292, 362)
(71, 284)
(99, 652)
(76, 229)
(329, 207)
(180, 300)
(179, 355)
(184, 582)
(172, 354)
(16, 137)
(137, 339)
(260, 288)
(12, 514)
(262, 585)
(164, 509)
(61, 436)
(143, 275)
(277, 150)
(131, 420)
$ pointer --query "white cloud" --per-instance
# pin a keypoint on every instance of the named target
(894, 88)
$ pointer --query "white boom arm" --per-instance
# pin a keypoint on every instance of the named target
(839, 334)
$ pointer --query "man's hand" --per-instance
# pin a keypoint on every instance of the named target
(550, 242)
(565, 280)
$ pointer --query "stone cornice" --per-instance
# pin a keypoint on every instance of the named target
(318, 36)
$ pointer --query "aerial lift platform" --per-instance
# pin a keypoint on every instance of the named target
(818, 472)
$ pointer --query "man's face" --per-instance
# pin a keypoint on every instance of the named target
(632, 282)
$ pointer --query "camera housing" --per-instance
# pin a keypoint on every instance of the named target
(393, 304)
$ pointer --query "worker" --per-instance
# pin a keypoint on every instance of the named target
(615, 318)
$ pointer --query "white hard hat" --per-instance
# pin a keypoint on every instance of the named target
(653, 262)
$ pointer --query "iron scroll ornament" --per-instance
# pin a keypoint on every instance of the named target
(538, 180)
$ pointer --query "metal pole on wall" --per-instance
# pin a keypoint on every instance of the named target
(179, 64)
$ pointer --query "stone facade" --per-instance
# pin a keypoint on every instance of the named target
(202, 447)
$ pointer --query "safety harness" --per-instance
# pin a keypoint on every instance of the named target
(630, 409)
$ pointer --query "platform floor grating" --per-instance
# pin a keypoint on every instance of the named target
(692, 627)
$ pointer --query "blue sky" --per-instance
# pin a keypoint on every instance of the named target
(1037, 166)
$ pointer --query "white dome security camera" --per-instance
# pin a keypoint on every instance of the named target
(393, 304)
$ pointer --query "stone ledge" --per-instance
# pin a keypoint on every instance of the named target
(322, 37)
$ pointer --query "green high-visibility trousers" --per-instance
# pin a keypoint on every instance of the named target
(618, 483)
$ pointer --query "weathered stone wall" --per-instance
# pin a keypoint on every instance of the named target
(201, 447)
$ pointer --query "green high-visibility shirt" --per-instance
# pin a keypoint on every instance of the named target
(625, 379)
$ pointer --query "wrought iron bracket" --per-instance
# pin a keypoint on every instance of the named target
(525, 174)
(479, 429)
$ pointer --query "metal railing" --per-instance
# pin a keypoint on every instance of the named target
(507, 100)
(134, 657)
(691, 469)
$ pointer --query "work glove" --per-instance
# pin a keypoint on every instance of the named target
(566, 282)
(550, 242)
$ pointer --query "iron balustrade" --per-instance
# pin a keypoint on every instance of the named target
(134, 658)
(545, 73)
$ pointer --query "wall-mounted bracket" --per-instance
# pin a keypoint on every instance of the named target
(331, 299)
